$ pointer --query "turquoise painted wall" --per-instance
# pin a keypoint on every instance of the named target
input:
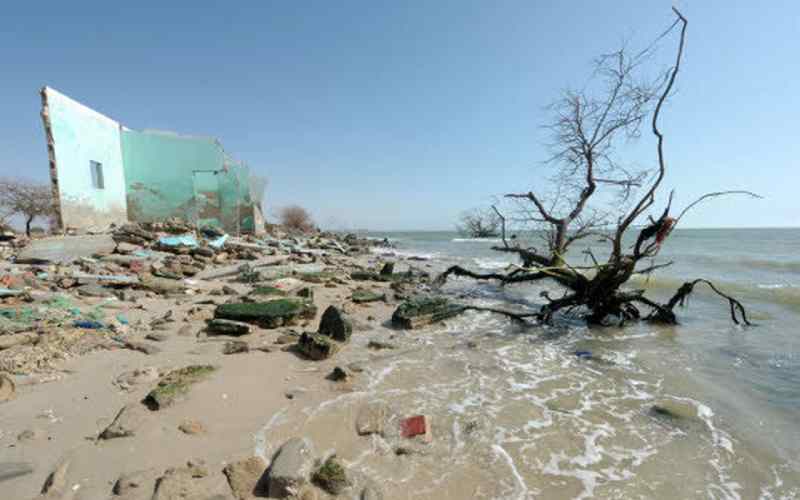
(170, 175)
(80, 136)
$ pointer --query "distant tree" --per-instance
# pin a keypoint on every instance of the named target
(479, 223)
(28, 199)
(296, 218)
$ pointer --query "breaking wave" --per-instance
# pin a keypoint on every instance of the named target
(777, 293)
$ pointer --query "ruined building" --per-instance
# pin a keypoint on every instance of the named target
(103, 173)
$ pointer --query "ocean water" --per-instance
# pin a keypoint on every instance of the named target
(517, 414)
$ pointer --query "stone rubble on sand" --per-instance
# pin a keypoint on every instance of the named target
(162, 290)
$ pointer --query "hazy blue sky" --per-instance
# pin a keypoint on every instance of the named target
(397, 115)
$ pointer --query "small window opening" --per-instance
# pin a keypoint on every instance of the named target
(97, 175)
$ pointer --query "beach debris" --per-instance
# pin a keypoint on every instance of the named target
(418, 425)
(235, 347)
(676, 411)
(130, 379)
(246, 477)
(361, 296)
(177, 484)
(339, 374)
(30, 435)
(268, 290)
(335, 324)
(56, 483)
(7, 388)
(129, 485)
(228, 327)
(65, 249)
(380, 345)
(291, 467)
(175, 385)
(422, 311)
(331, 476)
(316, 346)
(143, 347)
(125, 424)
(192, 427)
(271, 314)
(371, 419)
(387, 270)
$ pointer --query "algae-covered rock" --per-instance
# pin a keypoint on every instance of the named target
(361, 296)
(331, 476)
(316, 346)
(271, 314)
(175, 385)
(423, 311)
(335, 324)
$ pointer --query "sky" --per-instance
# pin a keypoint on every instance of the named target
(400, 115)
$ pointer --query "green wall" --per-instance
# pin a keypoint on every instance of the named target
(171, 175)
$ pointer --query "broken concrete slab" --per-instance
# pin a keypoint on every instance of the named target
(361, 296)
(291, 467)
(65, 249)
(175, 385)
(245, 477)
(422, 311)
(271, 314)
(371, 419)
(219, 326)
(317, 347)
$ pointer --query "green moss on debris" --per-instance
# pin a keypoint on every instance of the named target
(316, 277)
(331, 476)
(360, 296)
(175, 385)
(268, 314)
(268, 290)
(422, 311)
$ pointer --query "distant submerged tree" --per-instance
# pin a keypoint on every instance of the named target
(296, 218)
(479, 223)
(27, 199)
(594, 196)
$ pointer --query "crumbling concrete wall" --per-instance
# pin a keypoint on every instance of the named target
(86, 165)
(170, 175)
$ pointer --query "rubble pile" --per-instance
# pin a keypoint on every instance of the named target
(140, 287)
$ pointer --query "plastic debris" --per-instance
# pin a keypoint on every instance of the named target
(88, 324)
(186, 240)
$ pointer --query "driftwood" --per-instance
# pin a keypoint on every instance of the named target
(585, 131)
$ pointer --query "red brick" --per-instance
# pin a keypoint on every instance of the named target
(418, 425)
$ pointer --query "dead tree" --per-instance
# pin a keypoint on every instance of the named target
(586, 130)
(479, 223)
(296, 219)
(26, 198)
